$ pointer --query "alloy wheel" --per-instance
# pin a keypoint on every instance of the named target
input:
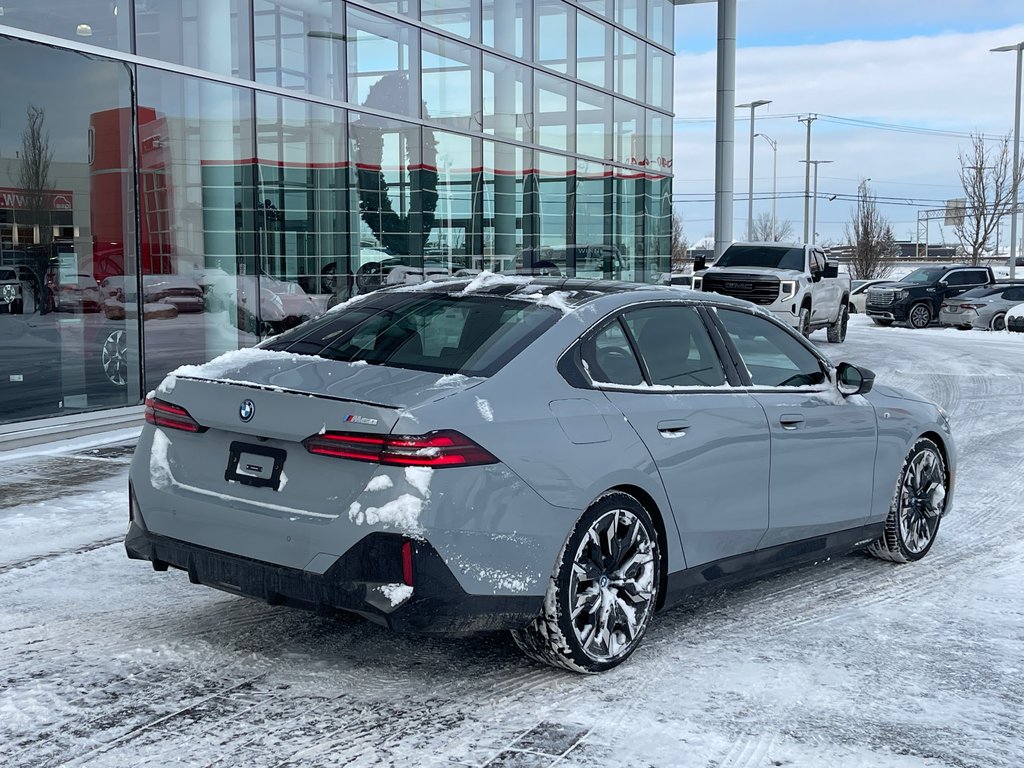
(920, 316)
(114, 358)
(613, 585)
(922, 500)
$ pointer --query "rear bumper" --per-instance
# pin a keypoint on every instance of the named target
(966, 319)
(358, 582)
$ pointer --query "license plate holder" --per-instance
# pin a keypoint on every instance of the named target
(256, 465)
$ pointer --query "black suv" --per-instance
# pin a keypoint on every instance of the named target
(917, 298)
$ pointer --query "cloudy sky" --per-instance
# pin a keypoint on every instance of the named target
(898, 86)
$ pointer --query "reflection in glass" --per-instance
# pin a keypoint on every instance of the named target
(553, 183)
(198, 224)
(507, 204)
(410, 8)
(593, 43)
(658, 225)
(628, 132)
(454, 241)
(383, 63)
(629, 59)
(451, 72)
(593, 123)
(459, 17)
(300, 46)
(555, 33)
(213, 35)
(553, 108)
(508, 99)
(594, 197)
(84, 21)
(658, 143)
(628, 221)
(67, 212)
(507, 27)
(602, 7)
(631, 14)
(659, 78)
(660, 21)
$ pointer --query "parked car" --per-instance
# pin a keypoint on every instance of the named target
(859, 293)
(553, 457)
(79, 294)
(796, 283)
(983, 308)
(12, 292)
(917, 298)
(1015, 319)
(262, 307)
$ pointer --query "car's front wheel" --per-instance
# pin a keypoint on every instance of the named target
(920, 316)
(837, 330)
(603, 592)
(917, 506)
(804, 323)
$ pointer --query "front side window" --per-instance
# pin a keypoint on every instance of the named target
(772, 356)
(675, 347)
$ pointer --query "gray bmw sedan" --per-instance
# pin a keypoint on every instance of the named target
(559, 458)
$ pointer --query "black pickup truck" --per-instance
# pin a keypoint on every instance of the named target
(917, 298)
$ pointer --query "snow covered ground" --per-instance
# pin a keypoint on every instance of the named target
(851, 663)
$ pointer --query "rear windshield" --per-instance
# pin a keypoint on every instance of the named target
(762, 256)
(441, 333)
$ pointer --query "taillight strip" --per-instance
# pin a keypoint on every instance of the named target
(445, 448)
(164, 414)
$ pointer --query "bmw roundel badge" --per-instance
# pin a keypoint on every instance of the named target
(247, 410)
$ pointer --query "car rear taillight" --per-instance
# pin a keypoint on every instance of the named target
(971, 306)
(164, 414)
(445, 448)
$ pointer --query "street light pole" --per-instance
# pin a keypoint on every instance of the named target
(775, 156)
(814, 216)
(750, 194)
(1019, 48)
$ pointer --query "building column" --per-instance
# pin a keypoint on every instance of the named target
(725, 124)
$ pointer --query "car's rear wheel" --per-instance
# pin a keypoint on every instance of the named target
(603, 592)
(998, 322)
(920, 316)
(917, 506)
(837, 330)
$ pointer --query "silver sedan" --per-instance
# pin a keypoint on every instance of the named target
(982, 308)
(558, 458)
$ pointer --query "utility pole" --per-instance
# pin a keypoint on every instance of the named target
(750, 187)
(807, 175)
(814, 216)
(1019, 48)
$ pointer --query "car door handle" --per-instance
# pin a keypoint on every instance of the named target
(791, 420)
(673, 428)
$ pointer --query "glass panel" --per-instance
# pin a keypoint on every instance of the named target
(213, 34)
(95, 22)
(451, 73)
(459, 17)
(383, 63)
(630, 56)
(675, 347)
(593, 123)
(602, 7)
(67, 220)
(553, 184)
(507, 27)
(554, 123)
(661, 22)
(659, 78)
(303, 221)
(628, 222)
(628, 132)
(631, 14)
(451, 244)
(609, 358)
(594, 198)
(507, 204)
(555, 25)
(772, 356)
(593, 44)
(508, 100)
(300, 46)
(658, 143)
(658, 228)
(410, 8)
(198, 226)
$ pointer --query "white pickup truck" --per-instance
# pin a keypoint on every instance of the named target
(796, 283)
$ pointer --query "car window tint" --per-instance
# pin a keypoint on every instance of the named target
(977, 277)
(442, 333)
(772, 356)
(1014, 294)
(609, 358)
(675, 346)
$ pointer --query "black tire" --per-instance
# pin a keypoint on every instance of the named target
(837, 330)
(804, 326)
(620, 569)
(918, 503)
(920, 316)
(852, 309)
(369, 277)
(18, 307)
(884, 322)
(329, 278)
(998, 322)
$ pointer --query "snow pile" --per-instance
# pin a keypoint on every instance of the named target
(401, 514)
(487, 279)
(451, 380)
(378, 483)
(230, 361)
(159, 464)
(396, 593)
(167, 385)
(485, 409)
(419, 478)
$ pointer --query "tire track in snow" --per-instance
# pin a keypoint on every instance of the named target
(28, 562)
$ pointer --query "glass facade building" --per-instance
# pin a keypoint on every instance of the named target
(180, 178)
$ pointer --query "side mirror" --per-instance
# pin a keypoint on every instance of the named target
(699, 263)
(852, 380)
(832, 269)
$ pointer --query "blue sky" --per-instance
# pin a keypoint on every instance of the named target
(920, 64)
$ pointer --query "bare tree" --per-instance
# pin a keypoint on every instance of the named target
(34, 171)
(679, 245)
(988, 179)
(762, 230)
(873, 244)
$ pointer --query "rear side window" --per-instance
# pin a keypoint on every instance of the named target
(1014, 294)
(441, 333)
(609, 359)
(675, 347)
